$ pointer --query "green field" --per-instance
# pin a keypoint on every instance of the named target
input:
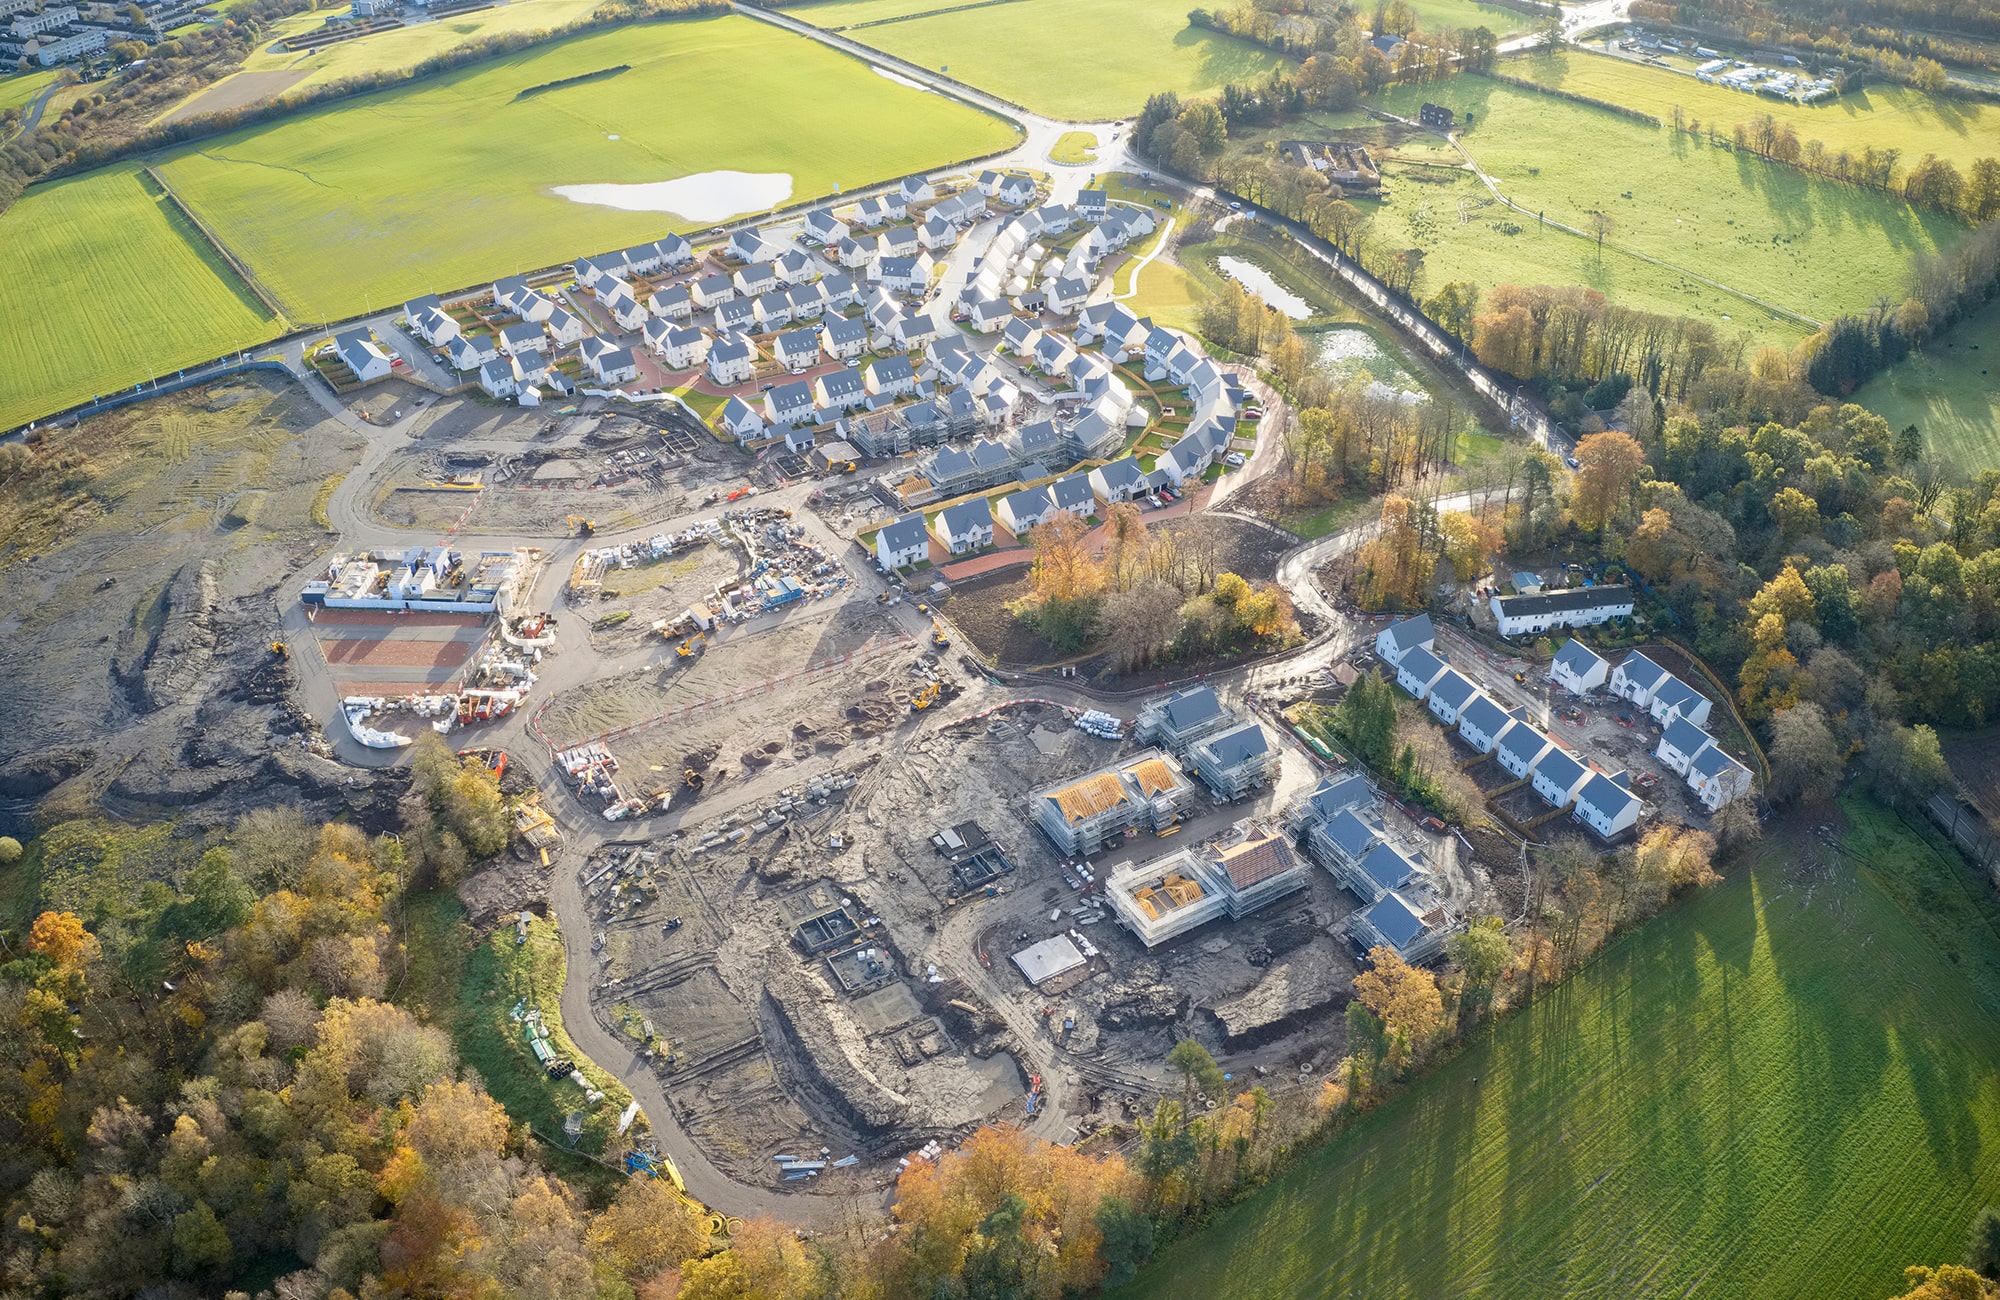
(1802, 244)
(1882, 117)
(19, 90)
(1783, 1088)
(1074, 149)
(1945, 391)
(447, 182)
(109, 285)
(1078, 59)
(1435, 15)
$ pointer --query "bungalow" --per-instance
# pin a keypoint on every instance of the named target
(1419, 669)
(789, 404)
(903, 274)
(901, 241)
(840, 390)
(1066, 293)
(471, 351)
(746, 246)
(1121, 480)
(737, 316)
(433, 326)
(732, 360)
(774, 310)
(1020, 336)
(804, 301)
(822, 227)
(1521, 749)
(1014, 191)
(966, 526)
(1027, 508)
(1072, 493)
(625, 310)
(1606, 806)
(1577, 668)
(890, 377)
(674, 303)
(1636, 678)
(756, 278)
(1716, 778)
(617, 366)
(796, 349)
(1675, 698)
(712, 290)
(1398, 639)
(1480, 722)
(795, 267)
(742, 420)
(854, 253)
(915, 189)
(1680, 743)
(497, 378)
(1576, 607)
(838, 292)
(1449, 696)
(681, 347)
(1558, 777)
(902, 542)
(843, 339)
(990, 315)
(522, 337)
(937, 233)
(364, 357)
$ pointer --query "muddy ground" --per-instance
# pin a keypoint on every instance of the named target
(140, 556)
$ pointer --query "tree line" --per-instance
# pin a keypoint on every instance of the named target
(1900, 41)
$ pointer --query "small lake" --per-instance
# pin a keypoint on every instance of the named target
(1348, 351)
(1262, 283)
(704, 196)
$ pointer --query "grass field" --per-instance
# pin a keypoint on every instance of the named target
(1811, 246)
(1435, 15)
(1074, 148)
(109, 285)
(19, 90)
(355, 205)
(1079, 59)
(1884, 117)
(1781, 1088)
(1945, 391)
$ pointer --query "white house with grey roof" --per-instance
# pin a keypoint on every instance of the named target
(497, 378)
(1577, 668)
(855, 252)
(1521, 749)
(1449, 695)
(1020, 511)
(890, 376)
(1558, 777)
(840, 390)
(434, 325)
(903, 542)
(471, 351)
(1072, 493)
(565, 327)
(990, 315)
(522, 337)
(1234, 762)
(741, 420)
(788, 405)
(843, 339)
(966, 526)
(1606, 807)
(1481, 721)
(794, 267)
(773, 309)
(1716, 778)
(711, 290)
(1014, 190)
(364, 358)
(1675, 698)
(738, 315)
(675, 302)
(937, 233)
(1538, 612)
(1120, 480)
(796, 349)
(903, 274)
(618, 366)
(1066, 293)
(1680, 741)
(680, 347)
(747, 246)
(1417, 671)
(755, 279)
(1636, 678)
(822, 227)
(1399, 638)
(732, 360)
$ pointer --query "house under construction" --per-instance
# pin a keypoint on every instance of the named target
(1251, 867)
(1178, 721)
(1081, 816)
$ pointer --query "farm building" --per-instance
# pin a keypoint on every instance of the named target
(1577, 668)
(1082, 816)
(1232, 763)
(1251, 868)
(1546, 611)
(1398, 639)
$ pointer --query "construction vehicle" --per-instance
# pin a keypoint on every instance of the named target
(582, 527)
(926, 696)
(278, 650)
(691, 779)
(493, 760)
(688, 648)
(938, 638)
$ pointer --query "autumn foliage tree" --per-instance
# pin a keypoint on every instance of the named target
(1608, 466)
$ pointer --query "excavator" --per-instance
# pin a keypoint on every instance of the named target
(693, 646)
(938, 638)
(691, 779)
(926, 696)
(582, 527)
(280, 651)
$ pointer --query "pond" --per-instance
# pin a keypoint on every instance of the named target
(1348, 351)
(1262, 283)
(704, 196)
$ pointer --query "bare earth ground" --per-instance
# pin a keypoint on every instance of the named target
(135, 640)
(239, 91)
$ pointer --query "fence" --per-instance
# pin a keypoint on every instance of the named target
(161, 388)
(1967, 829)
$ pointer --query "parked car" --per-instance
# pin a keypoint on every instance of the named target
(1234, 458)
(1570, 461)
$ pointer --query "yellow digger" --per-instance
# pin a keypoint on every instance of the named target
(582, 527)
(938, 638)
(925, 697)
(693, 646)
(279, 650)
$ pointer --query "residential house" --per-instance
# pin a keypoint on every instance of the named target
(1558, 777)
(1014, 190)
(916, 327)
(890, 377)
(840, 390)
(873, 211)
(732, 360)
(510, 293)
(681, 347)
(1450, 693)
(675, 303)
(1072, 493)
(625, 311)
(903, 274)
(796, 350)
(822, 227)
(903, 542)
(1052, 354)
(742, 420)
(854, 253)
(1549, 610)
(642, 259)
(773, 310)
(937, 233)
(522, 337)
(1410, 930)
(838, 292)
(1177, 722)
(566, 327)
(593, 348)
(754, 279)
(471, 351)
(675, 251)
(989, 183)
(966, 526)
(365, 358)
(1120, 480)
(1025, 509)
(434, 326)
(497, 378)
(1481, 721)
(1066, 293)
(529, 367)
(1052, 219)
(1675, 698)
(534, 306)
(900, 241)
(737, 316)
(1379, 871)
(789, 404)
(1636, 678)
(843, 339)
(1092, 812)
(804, 302)
(1521, 749)
(1418, 670)
(1680, 742)
(1577, 668)
(1020, 336)
(1234, 762)
(794, 267)
(990, 315)
(1398, 639)
(915, 189)
(746, 246)
(1606, 806)
(712, 290)
(617, 366)
(1090, 205)
(1716, 778)
(1344, 842)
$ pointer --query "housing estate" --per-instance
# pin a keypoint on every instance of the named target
(1249, 868)
(1548, 611)
(1081, 816)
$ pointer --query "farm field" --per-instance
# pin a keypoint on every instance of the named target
(338, 210)
(1784, 1087)
(1435, 15)
(19, 90)
(110, 285)
(1945, 391)
(1112, 55)
(392, 51)
(1802, 244)
(1881, 117)
(843, 14)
